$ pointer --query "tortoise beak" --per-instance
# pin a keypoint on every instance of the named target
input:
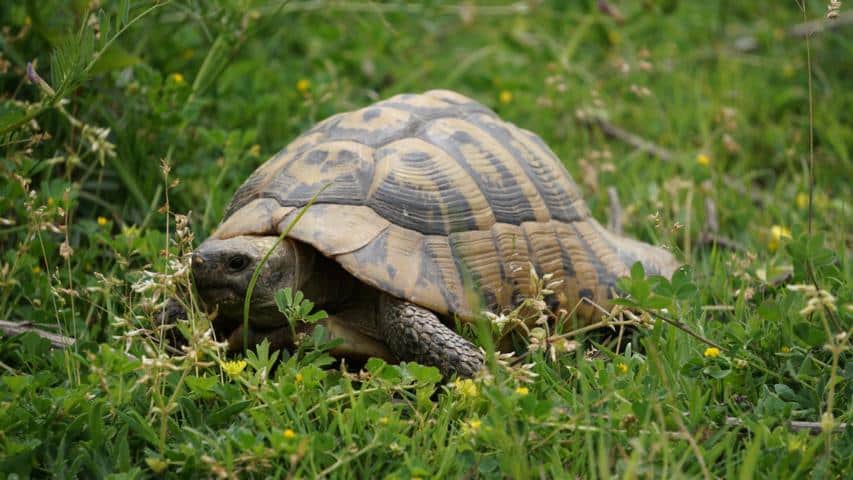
(213, 286)
(203, 268)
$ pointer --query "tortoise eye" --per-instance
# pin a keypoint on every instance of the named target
(237, 263)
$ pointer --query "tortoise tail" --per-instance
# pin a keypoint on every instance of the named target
(655, 260)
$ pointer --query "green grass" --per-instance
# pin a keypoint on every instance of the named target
(212, 88)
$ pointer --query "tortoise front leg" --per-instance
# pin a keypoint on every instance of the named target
(416, 334)
(358, 339)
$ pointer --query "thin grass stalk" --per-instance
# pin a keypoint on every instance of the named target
(257, 272)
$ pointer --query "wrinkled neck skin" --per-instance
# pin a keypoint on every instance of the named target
(222, 270)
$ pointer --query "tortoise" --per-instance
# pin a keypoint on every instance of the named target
(435, 210)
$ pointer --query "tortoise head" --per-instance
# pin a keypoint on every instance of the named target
(223, 268)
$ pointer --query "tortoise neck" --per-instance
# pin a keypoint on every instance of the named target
(323, 280)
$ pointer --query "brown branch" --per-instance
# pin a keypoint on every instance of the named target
(712, 222)
(15, 328)
(813, 428)
(707, 239)
(748, 43)
(684, 328)
(614, 223)
(662, 153)
(709, 235)
(627, 137)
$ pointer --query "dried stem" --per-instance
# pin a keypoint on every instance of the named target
(55, 339)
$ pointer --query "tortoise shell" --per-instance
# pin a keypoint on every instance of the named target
(434, 199)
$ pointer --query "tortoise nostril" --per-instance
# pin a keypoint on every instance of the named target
(198, 259)
(237, 263)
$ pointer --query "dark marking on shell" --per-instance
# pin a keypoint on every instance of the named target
(370, 113)
(541, 171)
(315, 157)
(347, 174)
(605, 278)
(439, 210)
(508, 204)
(245, 194)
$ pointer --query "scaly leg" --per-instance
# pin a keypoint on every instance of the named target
(415, 333)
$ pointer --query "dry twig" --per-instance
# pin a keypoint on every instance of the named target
(614, 223)
(813, 428)
(748, 43)
(655, 150)
(15, 328)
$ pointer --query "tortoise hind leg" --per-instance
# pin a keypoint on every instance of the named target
(416, 334)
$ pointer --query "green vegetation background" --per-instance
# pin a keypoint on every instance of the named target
(211, 88)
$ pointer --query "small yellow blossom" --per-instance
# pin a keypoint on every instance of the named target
(157, 465)
(712, 352)
(622, 368)
(777, 234)
(303, 85)
(298, 378)
(703, 159)
(472, 426)
(522, 391)
(383, 420)
(233, 368)
(795, 444)
(786, 350)
(505, 96)
(36, 269)
(614, 37)
(177, 78)
(255, 151)
(289, 433)
(802, 200)
(102, 221)
(50, 201)
(466, 387)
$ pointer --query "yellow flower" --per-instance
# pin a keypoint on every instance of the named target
(703, 159)
(777, 234)
(786, 350)
(289, 433)
(255, 151)
(802, 200)
(471, 426)
(505, 96)
(50, 201)
(157, 465)
(466, 387)
(234, 368)
(623, 369)
(177, 78)
(102, 221)
(36, 269)
(614, 37)
(383, 420)
(712, 352)
(796, 445)
(522, 391)
(303, 85)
